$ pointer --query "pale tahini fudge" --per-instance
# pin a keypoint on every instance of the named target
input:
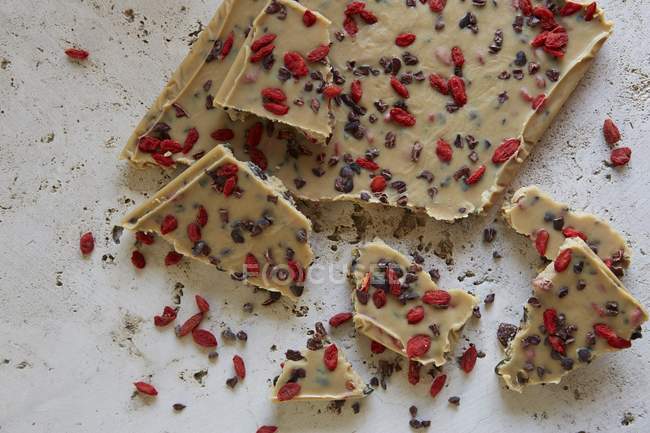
(579, 310)
(232, 215)
(398, 305)
(548, 223)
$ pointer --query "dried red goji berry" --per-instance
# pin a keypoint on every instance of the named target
(399, 88)
(365, 282)
(262, 41)
(611, 132)
(267, 429)
(539, 40)
(138, 259)
(556, 343)
(275, 108)
(414, 372)
(204, 338)
(223, 134)
(550, 320)
(350, 25)
(294, 62)
(77, 54)
(144, 238)
(331, 91)
(339, 319)
(378, 184)
(356, 91)
(202, 304)
(505, 150)
(367, 16)
(620, 156)
(229, 186)
(258, 158)
(563, 260)
(377, 347)
(354, 8)
(298, 273)
(418, 345)
(456, 87)
(468, 359)
(169, 224)
(438, 298)
(172, 258)
(202, 216)
(167, 317)
(273, 94)
(308, 18)
(367, 164)
(570, 232)
(379, 298)
(240, 367)
(437, 5)
(415, 315)
(402, 117)
(318, 53)
(194, 232)
(254, 134)
(169, 145)
(569, 8)
(443, 150)
(261, 53)
(404, 39)
(394, 285)
(227, 46)
(162, 160)
(457, 57)
(145, 388)
(545, 16)
(331, 357)
(590, 10)
(288, 391)
(190, 324)
(538, 102)
(148, 144)
(604, 331)
(541, 241)
(87, 243)
(437, 384)
(252, 265)
(190, 140)
(475, 176)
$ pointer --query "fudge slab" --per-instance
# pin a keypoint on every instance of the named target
(232, 215)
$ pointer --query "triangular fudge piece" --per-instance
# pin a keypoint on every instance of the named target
(579, 310)
(319, 374)
(548, 223)
(232, 215)
(282, 69)
(398, 304)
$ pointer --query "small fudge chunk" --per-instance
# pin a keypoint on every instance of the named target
(548, 223)
(578, 311)
(231, 215)
(184, 113)
(398, 305)
(322, 374)
(282, 70)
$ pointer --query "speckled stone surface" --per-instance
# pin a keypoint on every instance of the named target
(77, 332)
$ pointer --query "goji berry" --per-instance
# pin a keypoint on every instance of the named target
(620, 156)
(414, 372)
(308, 18)
(475, 176)
(569, 8)
(202, 304)
(550, 320)
(418, 345)
(354, 8)
(172, 258)
(240, 367)
(229, 186)
(267, 429)
(204, 338)
(145, 388)
(331, 357)
(541, 241)
(273, 94)
(402, 117)
(190, 324)
(169, 145)
(288, 391)
(404, 39)
(570, 232)
(148, 144)
(261, 53)
(367, 16)
(294, 62)
(437, 5)
(457, 57)
(252, 265)
(190, 140)
(443, 150)
(339, 319)
(138, 259)
(456, 87)
(350, 25)
(275, 108)
(378, 184)
(298, 273)
(379, 298)
(505, 150)
(437, 384)
(468, 359)
(194, 232)
(202, 216)
(169, 224)
(556, 343)
(223, 134)
(318, 53)
(538, 102)
(611, 132)
(262, 41)
(228, 169)
(87, 243)
(162, 160)
(590, 10)
(356, 91)
(331, 91)
(545, 16)
(399, 88)
(367, 164)
(604, 331)
(144, 238)
(438, 298)
(258, 158)
(167, 317)
(376, 347)
(254, 134)
(563, 260)
(77, 54)
(227, 45)
(415, 315)
(539, 40)
(394, 285)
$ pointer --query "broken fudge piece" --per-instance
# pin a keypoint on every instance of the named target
(319, 374)
(398, 305)
(548, 223)
(281, 71)
(184, 112)
(579, 310)
(232, 215)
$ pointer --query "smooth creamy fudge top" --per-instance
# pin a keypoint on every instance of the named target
(548, 223)
(273, 75)
(232, 215)
(320, 374)
(578, 311)
(398, 304)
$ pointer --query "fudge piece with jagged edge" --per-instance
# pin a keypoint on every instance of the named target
(234, 216)
(548, 223)
(281, 73)
(398, 305)
(579, 310)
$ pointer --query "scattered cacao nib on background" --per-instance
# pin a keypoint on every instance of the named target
(505, 333)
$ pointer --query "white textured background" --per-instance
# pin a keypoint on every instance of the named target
(75, 333)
